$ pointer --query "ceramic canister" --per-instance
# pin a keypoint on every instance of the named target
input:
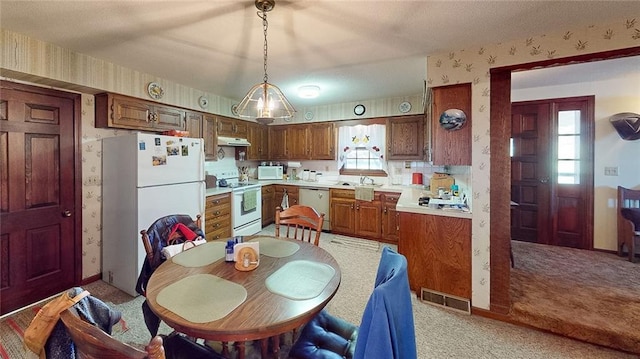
(417, 178)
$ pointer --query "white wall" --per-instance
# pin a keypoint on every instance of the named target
(615, 95)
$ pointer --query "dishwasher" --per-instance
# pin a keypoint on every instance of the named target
(318, 198)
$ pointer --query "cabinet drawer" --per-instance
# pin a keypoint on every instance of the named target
(219, 234)
(218, 223)
(343, 193)
(390, 197)
(219, 200)
(217, 211)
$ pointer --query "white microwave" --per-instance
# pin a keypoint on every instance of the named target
(270, 172)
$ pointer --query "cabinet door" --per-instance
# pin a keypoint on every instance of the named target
(438, 252)
(343, 215)
(296, 142)
(168, 118)
(240, 128)
(277, 142)
(405, 136)
(389, 218)
(451, 147)
(257, 137)
(193, 124)
(268, 205)
(368, 219)
(130, 113)
(322, 141)
(210, 136)
(226, 127)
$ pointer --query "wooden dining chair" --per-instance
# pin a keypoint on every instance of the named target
(301, 222)
(160, 234)
(92, 342)
(628, 221)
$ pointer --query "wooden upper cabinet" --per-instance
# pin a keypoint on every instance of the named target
(231, 127)
(210, 135)
(302, 141)
(258, 138)
(323, 143)
(278, 142)
(296, 142)
(118, 111)
(405, 138)
(451, 147)
(193, 124)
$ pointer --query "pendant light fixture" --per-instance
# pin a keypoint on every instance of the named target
(265, 102)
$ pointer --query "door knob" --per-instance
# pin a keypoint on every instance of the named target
(66, 213)
(544, 180)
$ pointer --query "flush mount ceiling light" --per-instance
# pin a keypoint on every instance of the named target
(265, 102)
(308, 91)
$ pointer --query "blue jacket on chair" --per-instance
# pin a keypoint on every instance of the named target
(387, 330)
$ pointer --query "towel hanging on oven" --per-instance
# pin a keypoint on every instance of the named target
(285, 200)
(249, 200)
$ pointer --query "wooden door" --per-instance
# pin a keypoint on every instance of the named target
(40, 241)
(530, 172)
(554, 196)
(193, 124)
(210, 135)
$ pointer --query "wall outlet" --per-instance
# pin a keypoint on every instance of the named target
(92, 181)
(611, 171)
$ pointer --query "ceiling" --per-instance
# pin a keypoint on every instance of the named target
(353, 50)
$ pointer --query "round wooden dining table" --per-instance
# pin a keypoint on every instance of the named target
(263, 314)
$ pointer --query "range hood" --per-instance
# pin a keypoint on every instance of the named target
(232, 141)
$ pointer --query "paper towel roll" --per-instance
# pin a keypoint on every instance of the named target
(294, 164)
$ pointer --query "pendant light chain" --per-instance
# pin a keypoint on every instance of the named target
(265, 25)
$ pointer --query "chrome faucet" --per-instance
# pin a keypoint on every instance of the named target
(364, 178)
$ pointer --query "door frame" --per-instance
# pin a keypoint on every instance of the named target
(500, 168)
(77, 161)
(587, 146)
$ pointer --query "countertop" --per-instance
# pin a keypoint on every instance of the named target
(408, 201)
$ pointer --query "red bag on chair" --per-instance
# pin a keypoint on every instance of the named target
(180, 229)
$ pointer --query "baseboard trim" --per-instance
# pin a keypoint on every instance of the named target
(91, 279)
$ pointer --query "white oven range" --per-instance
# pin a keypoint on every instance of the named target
(246, 203)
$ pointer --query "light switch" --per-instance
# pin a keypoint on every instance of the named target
(611, 171)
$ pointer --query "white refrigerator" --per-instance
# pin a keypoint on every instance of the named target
(145, 177)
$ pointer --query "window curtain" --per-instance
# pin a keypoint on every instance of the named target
(371, 137)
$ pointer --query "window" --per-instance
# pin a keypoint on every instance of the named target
(568, 161)
(362, 150)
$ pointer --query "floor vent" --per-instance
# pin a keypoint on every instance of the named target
(445, 300)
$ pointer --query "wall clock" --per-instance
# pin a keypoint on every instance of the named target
(404, 107)
(359, 110)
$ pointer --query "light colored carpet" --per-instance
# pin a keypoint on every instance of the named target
(440, 333)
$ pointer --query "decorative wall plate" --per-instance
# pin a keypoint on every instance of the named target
(203, 102)
(220, 153)
(155, 91)
(234, 109)
(453, 119)
(308, 115)
(359, 110)
(404, 107)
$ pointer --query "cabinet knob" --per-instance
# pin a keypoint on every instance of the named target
(385, 210)
(357, 207)
(217, 213)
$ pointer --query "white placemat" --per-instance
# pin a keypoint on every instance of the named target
(202, 298)
(201, 255)
(300, 279)
(277, 248)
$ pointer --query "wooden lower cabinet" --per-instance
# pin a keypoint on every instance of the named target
(438, 252)
(357, 218)
(292, 191)
(390, 225)
(268, 205)
(217, 217)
